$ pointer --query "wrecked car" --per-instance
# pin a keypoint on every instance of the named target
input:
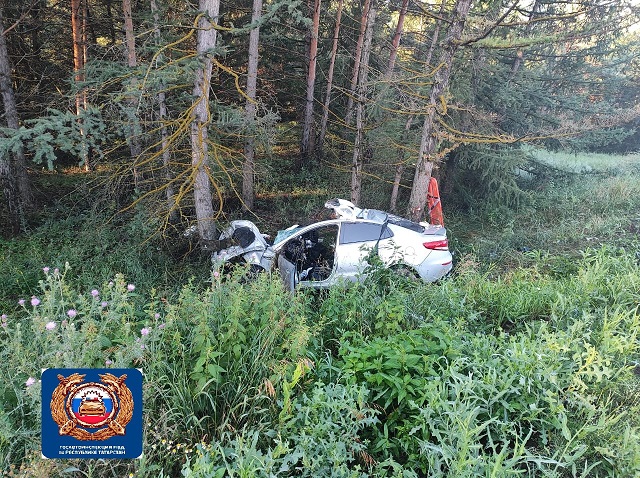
(335, 250)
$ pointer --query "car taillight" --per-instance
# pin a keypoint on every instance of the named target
(440, 245)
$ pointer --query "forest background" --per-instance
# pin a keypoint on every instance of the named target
(126, 123)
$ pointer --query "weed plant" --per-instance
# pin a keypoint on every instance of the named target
(524, 362)
(564, 215)
(443, 382)
(96, 245)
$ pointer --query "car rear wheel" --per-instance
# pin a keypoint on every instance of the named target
(405, 271)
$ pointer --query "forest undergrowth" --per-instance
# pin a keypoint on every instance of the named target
(525, 361)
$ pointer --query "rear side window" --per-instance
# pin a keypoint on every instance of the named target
(363, 232)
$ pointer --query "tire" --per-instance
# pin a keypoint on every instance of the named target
(406, 272)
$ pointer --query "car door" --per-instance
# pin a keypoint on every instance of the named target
(307, 259)
(357, 240)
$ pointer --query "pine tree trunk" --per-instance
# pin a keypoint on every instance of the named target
(424, 166)
(386, 77)
(396, 40)
(327, 99)
(517, 62)
(133, 123)
(200, 119)
(307, 129)
(356, 62)
(111, 23)
(11, 198)
(400, 167)
(248, 193)
(358, 147)
(78, 33)
(393, 203)
(16, 195)
(164, 134)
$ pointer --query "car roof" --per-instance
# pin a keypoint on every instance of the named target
(393, 221)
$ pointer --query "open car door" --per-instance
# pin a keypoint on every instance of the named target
(308, 258)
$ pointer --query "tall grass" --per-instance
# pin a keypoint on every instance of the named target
(561, 211)
(529, 372)
(524, 362)
(581, 162)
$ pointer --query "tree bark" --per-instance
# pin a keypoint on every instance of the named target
(207, 35)
(162, 116)
(358, 147)
(396, 40)
(424, 166)
(393, 54)
(393, 203)
(111, 22)
(307, 130)
(78, 33)
(15, 188)
(356, 62)
(133, 123)
(400, 168)
(248, 167)
(327, 98)
(517, 62)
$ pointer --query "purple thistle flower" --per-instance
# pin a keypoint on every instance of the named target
(56, 271)
(157, 316)
(131, 287)
(95, 293)
(35, 301)
(162, 326)
(72, 313)
(50, 325)
(108, 362)
(104, 303)
(4, 317)
(21, 302)
(46, 270)
(145, 331)
(30, 381)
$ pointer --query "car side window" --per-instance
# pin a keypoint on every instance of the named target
(363, 232)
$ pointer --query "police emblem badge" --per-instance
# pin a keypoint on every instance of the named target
(92, 411)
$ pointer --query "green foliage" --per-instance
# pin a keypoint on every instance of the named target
(323, 435)
(94, 244)
(378, 306)
(192, 352)
(59, 132)
(61, 327)
(524, 367)
(578, 203)
(488, 174)
(225, 351)
(398, 370)
(538, 398)
(320, 437)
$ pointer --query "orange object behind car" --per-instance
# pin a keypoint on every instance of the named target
(434, 204)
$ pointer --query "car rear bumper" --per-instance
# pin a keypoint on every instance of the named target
(437, 265)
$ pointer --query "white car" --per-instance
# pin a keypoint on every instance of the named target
(329, 252)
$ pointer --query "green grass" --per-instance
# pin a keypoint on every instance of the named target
(581, 163)
(560, 214)
(522, 363)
